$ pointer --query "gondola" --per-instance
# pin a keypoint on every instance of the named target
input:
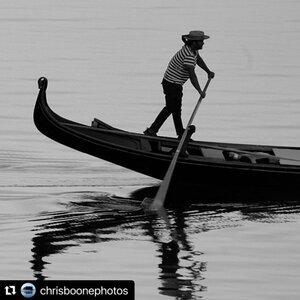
(200, 163)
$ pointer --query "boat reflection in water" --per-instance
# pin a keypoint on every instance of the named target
(90, 217)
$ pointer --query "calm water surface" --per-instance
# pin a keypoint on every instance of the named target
(65, 215)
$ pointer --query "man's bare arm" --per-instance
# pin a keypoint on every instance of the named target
(202, 65)
(194, 79)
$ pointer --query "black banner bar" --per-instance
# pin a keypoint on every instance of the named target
(67, 289)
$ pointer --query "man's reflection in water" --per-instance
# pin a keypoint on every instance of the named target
(180, 270)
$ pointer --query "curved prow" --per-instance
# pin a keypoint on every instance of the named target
(43, 83)
(42, 112)
(43, 115)
(45, 118)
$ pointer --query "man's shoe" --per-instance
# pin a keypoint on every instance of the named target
(191, 130)
(150, 132)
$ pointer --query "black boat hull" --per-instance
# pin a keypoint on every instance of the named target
(126, 149)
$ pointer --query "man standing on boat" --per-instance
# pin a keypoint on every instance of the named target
(180, 69)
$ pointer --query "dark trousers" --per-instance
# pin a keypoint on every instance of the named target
(173, 97)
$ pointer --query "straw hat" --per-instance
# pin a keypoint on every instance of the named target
(195, 35)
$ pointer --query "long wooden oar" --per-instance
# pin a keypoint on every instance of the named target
(158, 201)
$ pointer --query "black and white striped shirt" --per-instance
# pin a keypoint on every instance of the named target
(175, 71)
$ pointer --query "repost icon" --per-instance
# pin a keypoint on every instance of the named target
(28, 290)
